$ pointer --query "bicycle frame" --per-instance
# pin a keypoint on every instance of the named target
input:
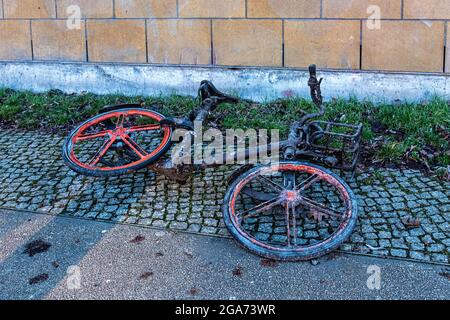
(300, 143)
(278, 188)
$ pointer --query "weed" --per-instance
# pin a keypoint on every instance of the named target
(392, 133)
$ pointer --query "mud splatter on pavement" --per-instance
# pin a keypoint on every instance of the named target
(193, 291)
(138, 239)
(146, 275)
(445, 273)
(237, 272)
(269, 263)
(38, 279)
(35, 247)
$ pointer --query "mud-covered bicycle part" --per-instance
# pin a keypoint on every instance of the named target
(333, 144)
(278, 197)
(209, 99)
(124, 139)
(270, 209)
(323, 141)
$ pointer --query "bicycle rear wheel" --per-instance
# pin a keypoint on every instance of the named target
(290, 211)
(117, 142)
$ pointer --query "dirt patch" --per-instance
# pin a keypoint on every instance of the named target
(35, 247)
(193, 291)
(38, 279)
(237, 272)
(269, 263)
(411, 222)
(445, 274)
(146, 275)
(138, 239)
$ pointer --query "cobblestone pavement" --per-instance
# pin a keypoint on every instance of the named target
(33, 177)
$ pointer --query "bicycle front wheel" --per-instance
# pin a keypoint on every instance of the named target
(117, 142)
(290, 211)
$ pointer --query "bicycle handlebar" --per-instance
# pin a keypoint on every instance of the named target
(316, 95)
(314, 84)
(210, 98)
(312, 71)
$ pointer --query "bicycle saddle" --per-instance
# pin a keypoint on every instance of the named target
(207, 91)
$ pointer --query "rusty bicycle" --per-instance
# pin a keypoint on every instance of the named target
(294, 209)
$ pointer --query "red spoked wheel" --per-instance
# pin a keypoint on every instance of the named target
(117, 142)
(290, 211)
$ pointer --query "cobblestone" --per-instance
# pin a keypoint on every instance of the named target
(418, 255)
(33, 177)
(398, 253)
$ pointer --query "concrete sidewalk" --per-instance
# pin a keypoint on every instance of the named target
(111, 261)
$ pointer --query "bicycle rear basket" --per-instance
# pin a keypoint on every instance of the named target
(338, 140)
